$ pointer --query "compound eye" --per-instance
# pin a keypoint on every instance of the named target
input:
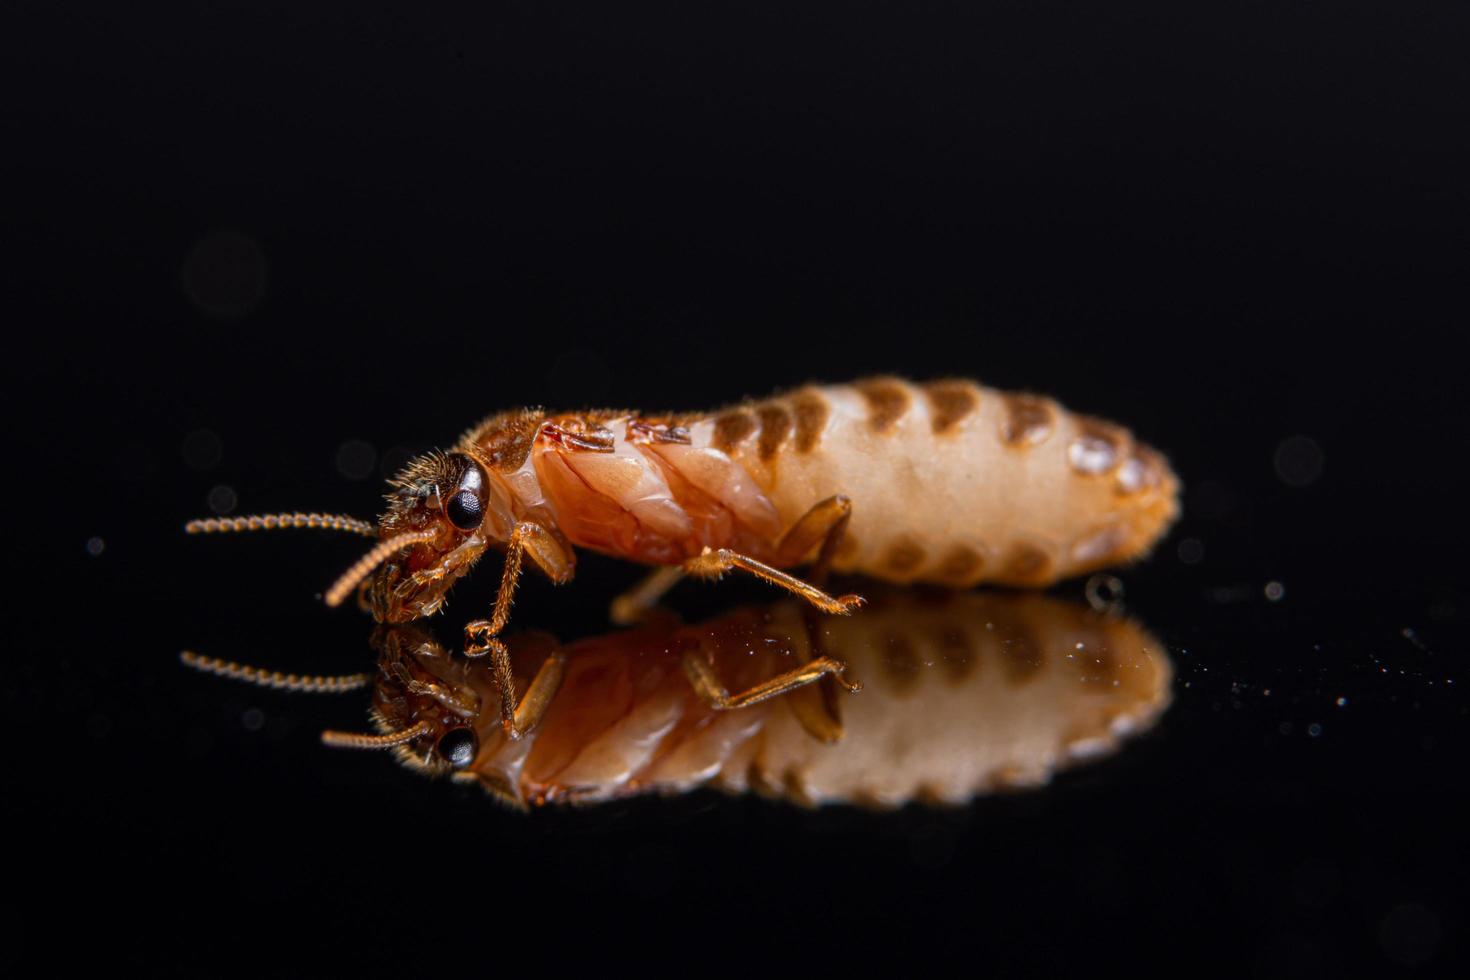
(465, 510)
(458, 747)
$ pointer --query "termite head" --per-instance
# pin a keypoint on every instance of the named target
(443, 512)
(423, 706)
(421, 686)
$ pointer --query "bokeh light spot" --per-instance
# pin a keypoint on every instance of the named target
(224, 275)
(356, 459)
(223, 499)
(1299, 461)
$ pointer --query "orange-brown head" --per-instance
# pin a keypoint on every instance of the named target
(443, 512)
(421, 690)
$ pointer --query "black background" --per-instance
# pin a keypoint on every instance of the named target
(290, 226)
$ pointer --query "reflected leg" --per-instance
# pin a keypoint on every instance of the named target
(706, 682)
(519, 717)
(480, 636)
(633, 605)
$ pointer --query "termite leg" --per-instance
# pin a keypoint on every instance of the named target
(479, 632)
(713, 563)
(517, 718)
(538, 696)
(451, 699)
(646, 432)
(597, 441)
(547, 552)
(815, 706)
(364, 595)
(815, 710)
(826, 522)
(706, 682)
(633, 605)
(557, 562)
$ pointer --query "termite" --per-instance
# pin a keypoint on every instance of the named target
(944, 482)
(965, 693)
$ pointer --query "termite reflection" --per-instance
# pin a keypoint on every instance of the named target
(962, 694)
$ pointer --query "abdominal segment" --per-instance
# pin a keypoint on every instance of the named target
(950, 482)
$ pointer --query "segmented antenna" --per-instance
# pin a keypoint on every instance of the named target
(306, 683)
(272, 522)
(353, 740)
(364, 565)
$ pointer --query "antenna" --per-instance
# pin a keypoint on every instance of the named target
(353, 740)
(307, 683)
(364, 565)
(273, 522)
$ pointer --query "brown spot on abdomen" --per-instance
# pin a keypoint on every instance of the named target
(961, 565)
(731, 428)
(887, 400)
(811, 411)
(900, 663)
(950, 402)
(958, 654)
(1029, 420)
(775, 425)
(903, 557)
(1027, 564)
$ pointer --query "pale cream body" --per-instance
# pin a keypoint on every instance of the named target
(968, 505)
(950, 483)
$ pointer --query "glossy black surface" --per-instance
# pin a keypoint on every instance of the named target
(266, 251)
